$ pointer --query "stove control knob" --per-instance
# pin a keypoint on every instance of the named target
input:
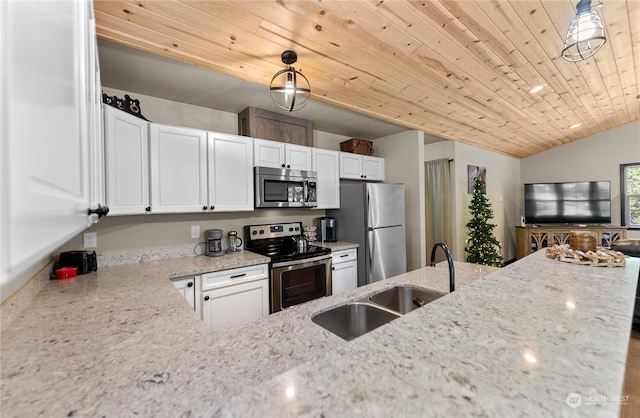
(254, 232)
(261, 231)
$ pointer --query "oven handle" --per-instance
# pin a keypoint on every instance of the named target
(302, 261)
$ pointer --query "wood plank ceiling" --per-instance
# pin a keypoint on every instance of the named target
(460, 70)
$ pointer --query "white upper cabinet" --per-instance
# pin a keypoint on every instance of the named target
(373, 168)
(361, 167)
(326, 163)
(48, 84)
(178, 162)
(298, 157)
(230, 172)
(268, 153)
(127, 151)
(280, 155)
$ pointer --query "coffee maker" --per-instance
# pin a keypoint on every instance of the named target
(327, 229)
(213, 242)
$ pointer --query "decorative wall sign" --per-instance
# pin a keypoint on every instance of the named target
(474, 172)
(127, 104)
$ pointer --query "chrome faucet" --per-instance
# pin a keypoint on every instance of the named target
(452, 280)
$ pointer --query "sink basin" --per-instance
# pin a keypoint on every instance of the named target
(404, 299)
(354, 319)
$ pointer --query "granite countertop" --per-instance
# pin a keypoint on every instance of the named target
(335, 246)
(123, 342)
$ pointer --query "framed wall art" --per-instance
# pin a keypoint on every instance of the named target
(474, 172)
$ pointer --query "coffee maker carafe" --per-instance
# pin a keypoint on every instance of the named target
(234, 242)
(213, 242)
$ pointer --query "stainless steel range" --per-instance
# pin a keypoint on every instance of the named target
(299, 273)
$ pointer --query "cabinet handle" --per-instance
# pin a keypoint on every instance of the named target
(190, 284)
(344, 255)
(212, 207)
(288, 166)
(148, 208)
(238, 275)
(333, 268)
(101, 211)
(204, 208)
(283, 166)
(206, 298)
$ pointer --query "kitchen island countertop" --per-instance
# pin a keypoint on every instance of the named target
(123, 342)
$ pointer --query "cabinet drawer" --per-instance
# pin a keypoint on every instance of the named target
(234, 276)
(344, 256)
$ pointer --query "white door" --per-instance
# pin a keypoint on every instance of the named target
(326, 164)
(235, 305)
(268, 153)
(344, 276)
(178, 162)
(373, 168)
(230, 172)
(187, 288)
(45, 102)
(298, 157)
(350, 166)
(127, 149)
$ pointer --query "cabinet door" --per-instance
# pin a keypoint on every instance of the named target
(127, 149)
(344, 276)
(235, 305)
(373, 168)
(350, 166)
(178, 161)
(187, 288)
(326, 164)
(298, 157)
(45, 110)
(230, 172)
(268, 153)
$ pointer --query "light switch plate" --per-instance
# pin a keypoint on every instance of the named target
(195, 231)
(90, 240)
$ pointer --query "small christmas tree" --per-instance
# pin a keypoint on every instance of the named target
(482, 246)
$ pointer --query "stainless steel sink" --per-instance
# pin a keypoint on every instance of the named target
(404, 299)
(354, 319)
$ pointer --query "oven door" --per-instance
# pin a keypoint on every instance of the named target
(298, 281)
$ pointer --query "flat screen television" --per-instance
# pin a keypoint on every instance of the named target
(583, 202)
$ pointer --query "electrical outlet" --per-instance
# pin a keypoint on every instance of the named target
(195, 231)
(90, 240)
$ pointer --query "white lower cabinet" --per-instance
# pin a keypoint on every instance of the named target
(187, 286)
(234, 297)
(345, 270)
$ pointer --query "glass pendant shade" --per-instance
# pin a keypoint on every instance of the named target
(586, 34)
(289, 88)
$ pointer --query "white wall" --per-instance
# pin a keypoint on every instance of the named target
(596, 157)
(404, 163)
(503, 191)
(181, 114)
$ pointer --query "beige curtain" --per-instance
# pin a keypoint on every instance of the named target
(438, 206)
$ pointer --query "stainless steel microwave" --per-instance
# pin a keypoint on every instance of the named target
(285, 188)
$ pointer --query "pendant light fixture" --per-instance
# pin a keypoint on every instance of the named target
(289, 88)
(586, 34)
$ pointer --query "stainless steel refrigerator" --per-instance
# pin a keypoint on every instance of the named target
(372, 215)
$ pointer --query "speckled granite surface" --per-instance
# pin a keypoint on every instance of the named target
(336, 246)
(123, 342)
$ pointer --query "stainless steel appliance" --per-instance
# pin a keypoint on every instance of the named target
(234, 242)
(298, 273)
(372, 215)
(284, 188)
(213, 242)
(327, 229)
